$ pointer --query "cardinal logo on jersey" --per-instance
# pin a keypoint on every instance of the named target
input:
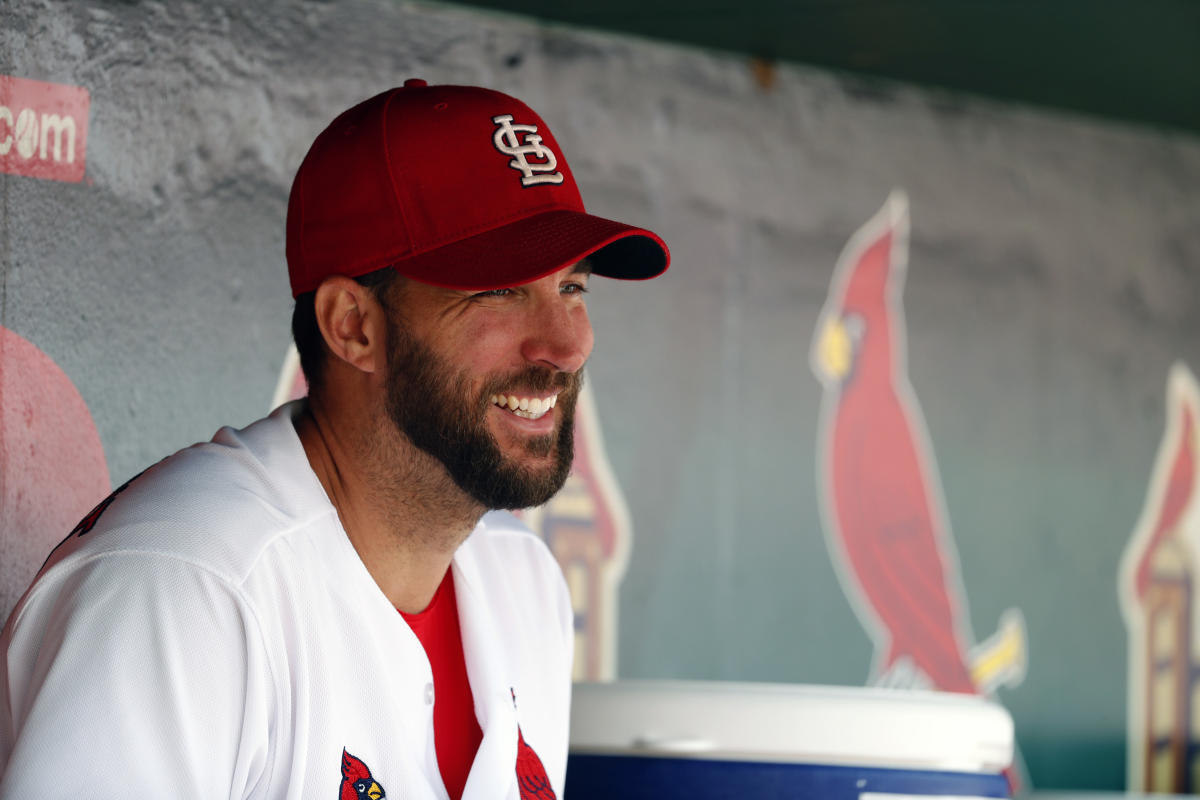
(543, 169)
(87, 523)
(531, 775)
(357, 783)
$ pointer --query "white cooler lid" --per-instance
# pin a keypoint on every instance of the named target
(843, 725)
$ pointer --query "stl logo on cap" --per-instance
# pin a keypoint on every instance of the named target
(506, 141)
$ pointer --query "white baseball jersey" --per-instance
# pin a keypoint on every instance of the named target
(211, 632)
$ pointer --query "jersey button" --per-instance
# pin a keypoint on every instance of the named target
(429, 694)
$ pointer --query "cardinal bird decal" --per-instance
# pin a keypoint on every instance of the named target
(881, 494)
(357, 783)
(1158, 599)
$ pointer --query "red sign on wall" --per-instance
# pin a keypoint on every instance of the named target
(43, 129)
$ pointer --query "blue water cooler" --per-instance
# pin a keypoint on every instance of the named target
(710, 740)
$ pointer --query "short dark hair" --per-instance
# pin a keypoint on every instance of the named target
(310, 344)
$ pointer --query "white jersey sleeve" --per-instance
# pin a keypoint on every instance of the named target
(142, 672)
(210, 631)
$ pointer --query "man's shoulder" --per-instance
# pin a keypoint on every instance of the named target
(217, 504)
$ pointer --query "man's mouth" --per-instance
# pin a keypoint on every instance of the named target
(525, 407)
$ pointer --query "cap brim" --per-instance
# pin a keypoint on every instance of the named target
(536, 246)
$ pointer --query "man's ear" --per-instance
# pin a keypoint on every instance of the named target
(352, 322)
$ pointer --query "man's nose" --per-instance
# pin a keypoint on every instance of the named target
(559, 336)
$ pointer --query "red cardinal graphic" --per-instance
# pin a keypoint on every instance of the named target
(1175, 499)
(357, 783)
(531, 775)
(1158, 589)
(884, 512)
(881, 495)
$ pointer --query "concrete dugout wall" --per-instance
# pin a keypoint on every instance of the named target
(1053, 279)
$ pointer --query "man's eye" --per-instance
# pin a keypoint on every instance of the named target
(574, 288)
(494, 293)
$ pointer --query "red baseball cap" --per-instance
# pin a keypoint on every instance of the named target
(454, 186)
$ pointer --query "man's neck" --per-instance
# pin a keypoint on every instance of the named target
(400, 509)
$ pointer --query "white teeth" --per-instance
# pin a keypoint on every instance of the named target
(525, 407)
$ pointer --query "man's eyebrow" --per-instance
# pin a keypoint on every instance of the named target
(584, 267)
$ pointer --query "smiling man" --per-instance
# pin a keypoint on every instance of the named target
(328, 599)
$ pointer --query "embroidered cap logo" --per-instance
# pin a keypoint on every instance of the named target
(544, 169)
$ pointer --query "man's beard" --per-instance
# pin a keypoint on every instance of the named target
(433, 406)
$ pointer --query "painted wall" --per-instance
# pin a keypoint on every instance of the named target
(1052, 279)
